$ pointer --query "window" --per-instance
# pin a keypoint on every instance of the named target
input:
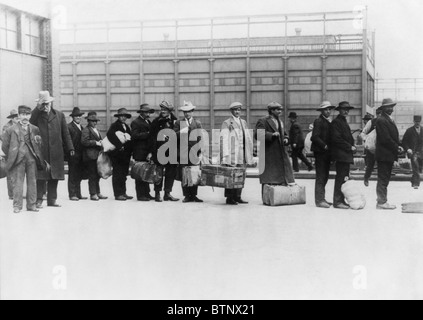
(8, 30)
(32, 29)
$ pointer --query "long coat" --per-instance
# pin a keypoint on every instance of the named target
(296, 136)
(414, 141)
(342, 141)
(56, 141)
(14, 142)
(158, 125)
(141, 139)
(89, 141)
(183, 149)
(76, 136)
(278, 168)
(388, 140)
(236, 143)
(321, 135)
(122, 152)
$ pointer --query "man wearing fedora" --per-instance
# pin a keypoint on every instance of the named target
(22, 146)
(388, 149)
(91, 141)
(76, 168)
(13, 119)
(56, 143)
(296, 139)
(166, 120)
(278, 169)
(236, 148)
(343, 149)
(183, 129)
(121, 156)
(413, 144)
(321, 146)
(142, 147)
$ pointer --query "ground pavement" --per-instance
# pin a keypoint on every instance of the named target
(133, 250)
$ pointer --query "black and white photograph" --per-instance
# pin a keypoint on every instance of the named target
(195, 152)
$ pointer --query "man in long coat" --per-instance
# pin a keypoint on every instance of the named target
(296, 139)
(236, 148)
(142, 147)
(56, 143)
(76, 167)
(13, 119)
(413, 144)
(278, 169)
(343, 149)
(388, 148)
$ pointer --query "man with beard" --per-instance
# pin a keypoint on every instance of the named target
(166, 120)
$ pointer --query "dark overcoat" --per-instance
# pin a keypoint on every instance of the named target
(89, 141)
(296, 136)
(123, 152)
(141, 139)
(278, 168)
(388, 140)
(56, 141)
(321, 135)
(413, 141)
(159, 124)
(342, 140)
(76, 136)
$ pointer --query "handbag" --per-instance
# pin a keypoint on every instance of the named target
(147, 172)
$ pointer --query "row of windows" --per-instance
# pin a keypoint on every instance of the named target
(20, 32)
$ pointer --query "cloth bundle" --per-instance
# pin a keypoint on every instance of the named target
(104, 166)
(108, 146)
(191, 176)
(352, 192)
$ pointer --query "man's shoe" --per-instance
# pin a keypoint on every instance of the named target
(54, 205)
(342, 206)
(128, 197)
(150, 197)
(366, 183)
(33, 210)
(144, 199)
(95, 198)
(39, 205)
(385, 206)
(188, 200)
(168, 197)
(329, 203)
(158, 198)
(240, 201)
(120, 198)
(195, 199)
(231, 202)
(74, 199)
(323, 205)
(17, 210)
(82, 198)
(101, 197)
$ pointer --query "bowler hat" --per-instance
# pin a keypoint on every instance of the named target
(293, 115)
(417, 118)
(145, 107)
(167, 105)
(344, 105)
(92, 116)
(386, 103)
(122, 112)
(274, 106)
(326, 105)
(235, 105)
(188, 107)
(44, 97)
(77, 112)
(24, 110)
(13, 114)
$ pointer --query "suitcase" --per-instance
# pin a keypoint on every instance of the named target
(104, 166)
(147, 172)
(223, 177)
(275, 196)
(416, 207)
(191, 176)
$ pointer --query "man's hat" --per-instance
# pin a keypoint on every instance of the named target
(13, 114)
(123, 113)
(188, 107)
(92, 116)
(368, 117)
(24, 110)
(44, 97)
(388, 102)
(77, 112)
(293, 115)
(235, 105)
(145, 107)
(326, 105)
(417, 118)
(167, 105)
(274, 106)
(344, 105)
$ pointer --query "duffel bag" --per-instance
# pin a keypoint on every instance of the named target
(275, 196)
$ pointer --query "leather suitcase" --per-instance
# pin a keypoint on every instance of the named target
(147, 172)
(223, 177)
(275, 196)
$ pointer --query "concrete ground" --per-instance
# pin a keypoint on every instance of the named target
(132, 250)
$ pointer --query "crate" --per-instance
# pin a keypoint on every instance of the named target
(223, 177)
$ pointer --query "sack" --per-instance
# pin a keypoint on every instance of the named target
(223, 177)
(147, 172)
(353, 195)
(275, 196)
(3, 172)
(191, 176)
(104, 166)
(371, 140)
(107, 145)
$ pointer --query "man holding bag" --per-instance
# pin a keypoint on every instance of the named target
(369, 137)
